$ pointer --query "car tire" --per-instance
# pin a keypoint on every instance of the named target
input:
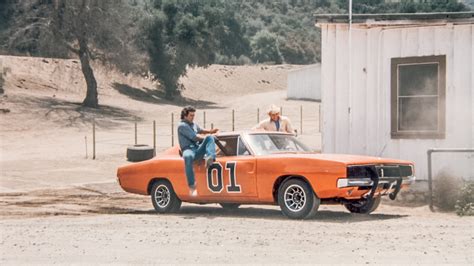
(363, 206)
(230, 206)
(164, 198)
(138, 153)
(297, 200)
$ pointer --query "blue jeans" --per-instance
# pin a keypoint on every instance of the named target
(196, 153)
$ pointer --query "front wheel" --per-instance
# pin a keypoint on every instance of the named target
(297, 200)
(164, 198)
(363, 206)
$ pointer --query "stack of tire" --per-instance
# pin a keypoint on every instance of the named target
(140, 152)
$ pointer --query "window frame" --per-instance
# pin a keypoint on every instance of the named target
(440, 133)
(239, 140)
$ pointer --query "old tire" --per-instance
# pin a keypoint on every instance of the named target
(363, 206)
(140, 153)
(297, 200)
(230, 206)
(164, 198)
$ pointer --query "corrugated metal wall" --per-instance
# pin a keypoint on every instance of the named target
(367, 130)
(305, 83)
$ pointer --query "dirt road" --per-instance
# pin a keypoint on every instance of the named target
(101, 224)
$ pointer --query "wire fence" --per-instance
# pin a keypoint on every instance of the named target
(161, 133)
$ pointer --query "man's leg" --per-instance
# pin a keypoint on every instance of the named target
(207, 147)
(188, 156)
(211, 147)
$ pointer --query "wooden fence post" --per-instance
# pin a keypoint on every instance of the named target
(172, 129)
(301, 120)
(258, 115)
(93, 139)
(319, 118)
(136, 133)
(204, 119)
(154, 136)
(233, 119)
(85, 140)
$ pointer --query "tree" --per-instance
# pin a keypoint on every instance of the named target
(190, 33)
(86, 29)
(265, 48)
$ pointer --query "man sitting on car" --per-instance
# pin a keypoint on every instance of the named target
(195, 145)
(275, 122)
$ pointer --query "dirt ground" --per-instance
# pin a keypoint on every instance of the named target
(57, 206)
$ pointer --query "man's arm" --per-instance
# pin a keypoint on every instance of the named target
(209, 131)
(203, 131)
(259, 126)
(289, 127)
(188, 133)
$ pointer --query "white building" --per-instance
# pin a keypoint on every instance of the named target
(396, 85)
(305, 83)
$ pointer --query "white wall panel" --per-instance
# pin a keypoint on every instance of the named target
(372, 50)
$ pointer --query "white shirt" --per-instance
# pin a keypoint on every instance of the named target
(269, 125)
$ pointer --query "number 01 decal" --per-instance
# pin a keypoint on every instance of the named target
(215, 181)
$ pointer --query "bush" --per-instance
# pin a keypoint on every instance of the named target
(465, 203)
(446, 191)
(265, 48)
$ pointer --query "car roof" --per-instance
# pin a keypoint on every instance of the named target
(250, 132)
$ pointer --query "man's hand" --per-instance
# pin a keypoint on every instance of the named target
(214, 131)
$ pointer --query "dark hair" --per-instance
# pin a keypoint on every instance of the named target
(186, 110)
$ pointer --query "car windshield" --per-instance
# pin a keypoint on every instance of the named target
(275, 143)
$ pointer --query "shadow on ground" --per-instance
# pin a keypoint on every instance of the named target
(193, 212)
(106, 201)
(70, 113)
(158, 97)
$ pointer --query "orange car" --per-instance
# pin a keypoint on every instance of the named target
(269, 168)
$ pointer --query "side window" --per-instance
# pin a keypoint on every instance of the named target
(229, 146)
(242, 149)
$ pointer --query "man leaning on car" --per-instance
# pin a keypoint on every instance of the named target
(275, 122)
(195, 145)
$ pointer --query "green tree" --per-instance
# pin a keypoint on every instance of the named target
(85, 29)
(265, 48)
(185, 34)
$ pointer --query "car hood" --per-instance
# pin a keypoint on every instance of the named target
(347, 159)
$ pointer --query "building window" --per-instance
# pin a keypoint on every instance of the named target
(418, 97)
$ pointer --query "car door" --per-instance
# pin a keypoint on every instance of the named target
(233, 176)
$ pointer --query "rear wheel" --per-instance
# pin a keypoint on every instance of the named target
(297, 200)
(164, 198)
(230, 206)
(363, 206)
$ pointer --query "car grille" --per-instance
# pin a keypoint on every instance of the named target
(381, 170)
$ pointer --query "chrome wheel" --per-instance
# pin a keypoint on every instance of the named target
(295, 198)
(162, 196)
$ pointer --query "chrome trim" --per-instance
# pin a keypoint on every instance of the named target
(295, 198)
(367, 182)
(409, 180)
(353, 182)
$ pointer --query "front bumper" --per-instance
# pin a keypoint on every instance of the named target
(367, 182)
(383, 179)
